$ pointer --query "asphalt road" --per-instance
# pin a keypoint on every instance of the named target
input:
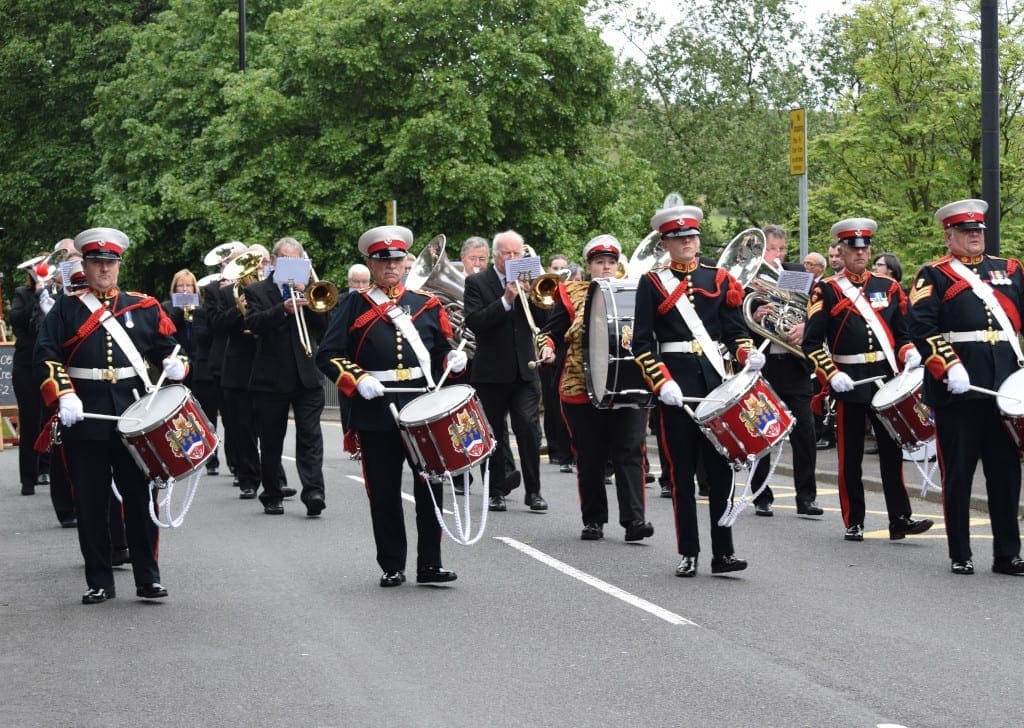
(278, 621)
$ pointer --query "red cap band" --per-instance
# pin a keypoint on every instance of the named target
(679, 223)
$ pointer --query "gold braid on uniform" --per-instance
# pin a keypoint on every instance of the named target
(654, 372)
(824, 367)
(349, 374)
(56, 383)
(940, 356)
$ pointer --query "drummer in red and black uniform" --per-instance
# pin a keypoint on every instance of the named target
(383, 337)
(856, 330)
(965, 319)
(90, 357)
(683, 312)
(598, 435)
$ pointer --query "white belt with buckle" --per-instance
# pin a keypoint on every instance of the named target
(397, 375)
(868, 358)
(989, 336)
(110, 374)
(681, 347)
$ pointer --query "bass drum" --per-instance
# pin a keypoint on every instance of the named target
(613, 376)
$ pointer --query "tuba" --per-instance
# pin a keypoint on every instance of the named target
(434, 273)
(647, 256)
(743, 257)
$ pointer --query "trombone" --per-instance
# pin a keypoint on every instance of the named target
(321, 297)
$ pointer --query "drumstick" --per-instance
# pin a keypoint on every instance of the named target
(163, 376)
(112, 418)
(448, 368)
(868, 380)
(982, 390)
(406, 390)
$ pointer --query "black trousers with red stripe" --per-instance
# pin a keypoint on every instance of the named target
(686, 446)
(850, 431)
(966, 432)
(599, 436)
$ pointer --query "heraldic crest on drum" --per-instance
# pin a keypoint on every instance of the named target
(467, 435)
(185, 437)
(924, 413)
(626, 339)
(760, 416)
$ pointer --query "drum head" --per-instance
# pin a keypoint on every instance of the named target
(721, 397)
(897, 388)
(428, 407)
(153, 410)
(1013, 386)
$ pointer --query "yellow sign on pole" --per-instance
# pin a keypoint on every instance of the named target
(797, 142)
(391, 212)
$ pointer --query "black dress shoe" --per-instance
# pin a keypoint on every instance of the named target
(687, 566)
(808, 508)
(638, 530)
(43, 479)
(905, 526)
(873, 450)
(511, 482)
(666, 491)
(592, 532)
(273, 508)
(151, 591)
(288, 492)
(964, 568)
(99, 594)
(28, 489)
(247, 493)
(434, 575)
(496, 503)
(392, 578)
(69, 522)
(460, 487)
(315, 506)
(764, 509)
(648, 479)
(565, 468)
(854, 533)
(535, 502)
(120, 557)
(824, 444)
(725, 564)
(212, 470)
(1012, 565)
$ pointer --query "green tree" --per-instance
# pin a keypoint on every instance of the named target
(52, 55)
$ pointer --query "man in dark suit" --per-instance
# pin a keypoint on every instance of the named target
(789, 374)
(284, 376)
(501, 373)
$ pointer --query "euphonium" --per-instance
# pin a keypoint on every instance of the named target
(434, 273)
(243, 270)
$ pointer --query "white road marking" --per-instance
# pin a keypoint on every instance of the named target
(631, 599)
(408, 496)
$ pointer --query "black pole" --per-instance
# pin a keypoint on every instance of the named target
(241, 35)
(990, 122)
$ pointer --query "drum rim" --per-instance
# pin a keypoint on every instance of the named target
(723, 406)
(470, 393)
(914, 375)
(609, 398)
(999, 399)
(184, 393)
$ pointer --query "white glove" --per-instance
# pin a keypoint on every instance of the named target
(547, 355)
(671, 394)
(958, 381)
(457, 361)
(174, 368)
(71, 409)
(370, 387)
(45, 300)
(913, 359)
(841, 382)
(755, 360)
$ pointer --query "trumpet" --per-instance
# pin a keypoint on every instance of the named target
(321, 297)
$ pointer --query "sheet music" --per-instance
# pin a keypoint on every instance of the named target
(523, 268)
(292, 270)
(181, 300)
(795, 280)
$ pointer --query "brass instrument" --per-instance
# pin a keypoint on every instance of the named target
(743, 257)
(244, 270)
(321, 297)
(434, 273)
(543, 290)
(648, 255)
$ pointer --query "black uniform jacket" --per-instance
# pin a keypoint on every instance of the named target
(835, 327)
(72, 337)
(717, 298)
(218, 337)
(280, 363)
(26, 315)
(941, 302)
(362, 338)
(504, 341)
(227, 321)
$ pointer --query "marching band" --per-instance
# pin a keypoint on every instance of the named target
(668, 331)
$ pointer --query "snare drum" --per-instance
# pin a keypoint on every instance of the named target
(743, 418)
(446, 430)
(1011, 407)
(613, 376)
(899, 407)
(168, 433)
